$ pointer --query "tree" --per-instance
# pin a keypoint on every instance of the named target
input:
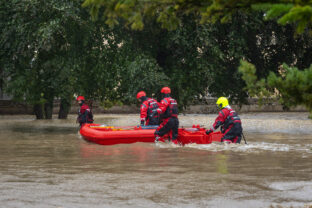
(203, 58)
(62, 52)
(40, 51)
(293, 87)
(277, 44)
(169, 12)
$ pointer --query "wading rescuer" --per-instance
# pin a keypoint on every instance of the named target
(168, 109)
(229, 121)
(84, 114)
(148, 109)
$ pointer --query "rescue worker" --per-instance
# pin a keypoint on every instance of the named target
(229, 121)
(84, 114)
(168, 109)
(147, 109)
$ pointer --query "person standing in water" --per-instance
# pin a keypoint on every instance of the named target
(84, 114)
(147, 109)
(169, 112)
(229, 122)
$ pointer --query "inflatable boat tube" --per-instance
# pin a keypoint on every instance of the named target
(110, 135)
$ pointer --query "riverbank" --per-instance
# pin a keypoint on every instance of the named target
(208, 106)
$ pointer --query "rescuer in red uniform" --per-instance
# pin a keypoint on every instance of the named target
(84, 114)
(148, 109)
(229, 121)
(168, 109)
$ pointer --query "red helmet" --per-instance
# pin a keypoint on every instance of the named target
(80, 98)
(141, 94)
(166, 90)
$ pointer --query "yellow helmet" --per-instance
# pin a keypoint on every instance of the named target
(222, 102)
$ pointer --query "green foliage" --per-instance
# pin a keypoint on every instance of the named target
(286, 11)
(40, 50)
(169, 12)
(62, 52)
(300, 14)
(134, 13)
(106, 104)
(143, 73)
(275, 10)
(292, 86)
(254, 87)
(244, 35)
(96, 66)
(194, 58)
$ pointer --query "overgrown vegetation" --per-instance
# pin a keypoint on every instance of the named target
(190, 46)
(292, 86)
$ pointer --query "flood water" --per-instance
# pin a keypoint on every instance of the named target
(46, 164)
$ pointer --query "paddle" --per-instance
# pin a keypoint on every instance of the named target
(244, 138)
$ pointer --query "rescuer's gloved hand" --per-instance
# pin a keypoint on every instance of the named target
(209, 131)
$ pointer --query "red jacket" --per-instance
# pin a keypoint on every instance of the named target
(85, 114)
(227, 116)
(168, 107)
(84, 108)
(147, 108)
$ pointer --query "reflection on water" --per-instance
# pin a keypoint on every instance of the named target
(47, 164)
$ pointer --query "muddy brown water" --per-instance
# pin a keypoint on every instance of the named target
(47, 164)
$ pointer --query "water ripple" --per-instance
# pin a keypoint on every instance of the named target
(252, 147)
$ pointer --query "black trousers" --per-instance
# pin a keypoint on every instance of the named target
(235, 131)
(165, 127)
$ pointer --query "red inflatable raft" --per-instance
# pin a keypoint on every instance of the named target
(109, 135)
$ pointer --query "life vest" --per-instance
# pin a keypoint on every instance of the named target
(231, 118)
(172, 109)
(85, 117)
(152, 107)
(90, 117)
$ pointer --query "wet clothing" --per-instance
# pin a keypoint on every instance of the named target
(168, 108)
(170, 126)
(85, 115)
(170, 123)
(230, 124)
(148, 109)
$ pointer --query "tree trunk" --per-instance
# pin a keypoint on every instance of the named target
(38, 110)
(1, 84)
(48, 109)
(64, 108)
